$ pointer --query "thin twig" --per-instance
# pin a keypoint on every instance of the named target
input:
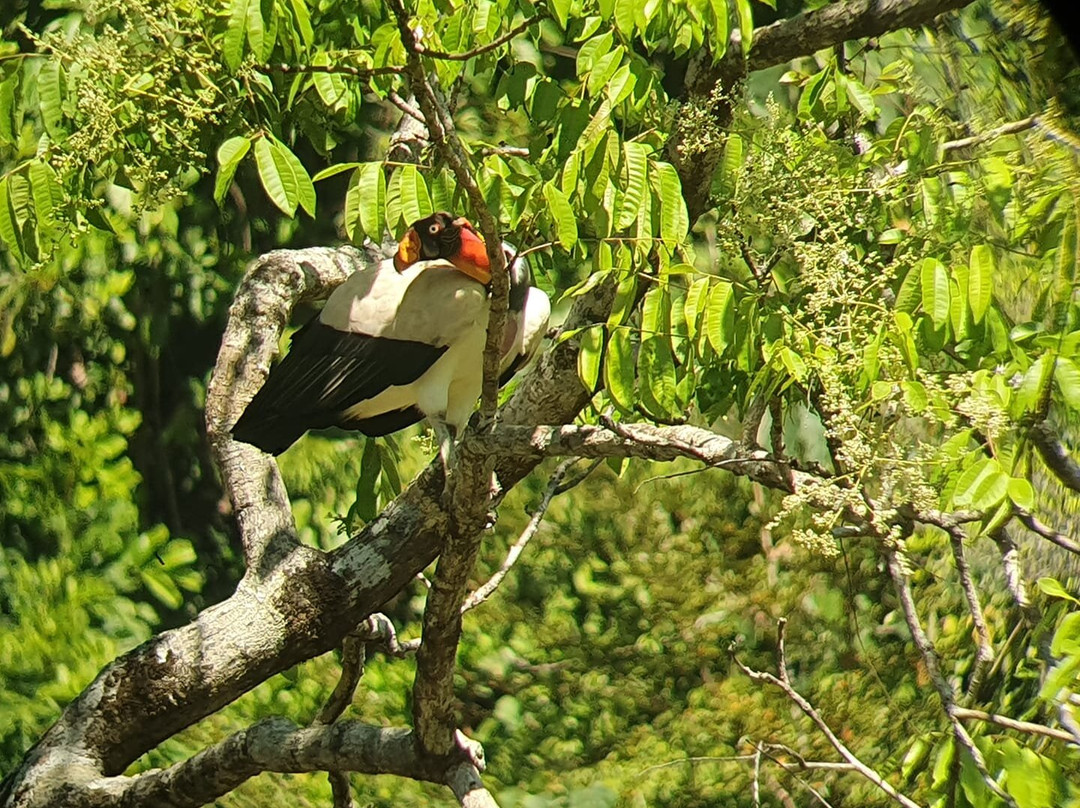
(784, 684)
(795, 775)
(343, 70)
(495, 43)
(1012, 723)
(933, 669)
(485, 591)
(405, 107)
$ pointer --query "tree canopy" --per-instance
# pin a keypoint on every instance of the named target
(786, 510)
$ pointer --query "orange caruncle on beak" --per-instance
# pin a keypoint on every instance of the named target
(472, 258)
(408, 252)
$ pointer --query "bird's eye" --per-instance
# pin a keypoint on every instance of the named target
(434, 229)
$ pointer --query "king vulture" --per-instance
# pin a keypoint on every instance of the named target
(397, 342)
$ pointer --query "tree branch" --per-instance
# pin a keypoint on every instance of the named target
(1012, 723)
(993, 134)
(645, 441)
(495, 43)
(836, 23)
(984, 652)
(482, 593)
(933, 669)
(272, 745)
(1055, 456)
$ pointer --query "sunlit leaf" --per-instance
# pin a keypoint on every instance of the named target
(635, 157)
(51, 97)
(935, 291)
(280, 187)
(589, 355)
(562, 215)
(229, 155)
(619, 369)
(720, 317)
(290, 164)
(980, 281)
(982, 485)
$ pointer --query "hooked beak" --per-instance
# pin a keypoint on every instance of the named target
(408, 252)
(472, 258)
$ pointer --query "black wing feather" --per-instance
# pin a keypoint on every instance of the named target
(325, 372)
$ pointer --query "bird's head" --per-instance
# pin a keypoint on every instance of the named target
(440, 235)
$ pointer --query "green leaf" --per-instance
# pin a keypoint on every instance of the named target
(50, 91)
(635, 162)
(9, 229)
(334, 170)
(915, 395)
(9, 128)
(654, 311)
(366, 505)
(160, 585)
(229, 155)
(674, 220)
(371, 185)
(289, 162)
(45, 190)
(415, 200)
(588, 358)
(935, 291)
(303, 22)
(603, 69)
(982, 486)
(1022, 493)
(910, 293)
(350, 214)
(232, 46)
(656, 368)
(560, 9)
(1067, 376)
(980, 281)
(1027, 781)
(720, 317)
(731, 165)
(256, 31)
(624, 16)
(696, 296)
(621, 85)
(719, 35)
(746, 23)
(330, 86)
(619, 369)
(860, 98)
(1053, 588)
(562, 215)
(280, 187)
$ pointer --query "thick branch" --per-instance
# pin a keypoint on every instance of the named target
(260, 311)
(645, 441)
(272, 745)
(836, 23)
(1055, 456)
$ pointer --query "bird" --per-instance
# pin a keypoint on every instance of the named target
(400, 341)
